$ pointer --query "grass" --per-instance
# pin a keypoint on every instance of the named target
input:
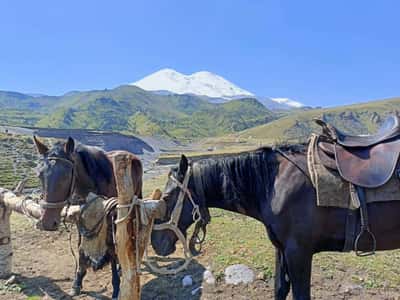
(235, 239)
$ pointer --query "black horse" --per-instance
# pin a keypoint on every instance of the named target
(273, 187)
(68, 169)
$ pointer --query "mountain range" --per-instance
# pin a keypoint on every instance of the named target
(208, 85)
(191, 107)
(132, 110)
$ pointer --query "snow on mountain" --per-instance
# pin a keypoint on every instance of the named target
(273, 104)
(211, 86)
(288, 102)
(200, 83)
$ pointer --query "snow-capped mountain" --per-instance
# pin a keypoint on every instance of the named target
(211, 86)
(200, 83)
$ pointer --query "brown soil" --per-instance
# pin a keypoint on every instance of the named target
(44, 268)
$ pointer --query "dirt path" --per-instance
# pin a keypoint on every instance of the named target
(45, 268)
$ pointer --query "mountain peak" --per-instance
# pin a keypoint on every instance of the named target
(202, 83)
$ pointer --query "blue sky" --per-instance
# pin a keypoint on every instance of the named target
(317, 52)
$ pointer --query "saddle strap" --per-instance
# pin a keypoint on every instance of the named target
(350, 233)
(365, 230)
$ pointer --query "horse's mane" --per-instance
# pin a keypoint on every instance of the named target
(238, 175)
(94, 160)
(247, 173)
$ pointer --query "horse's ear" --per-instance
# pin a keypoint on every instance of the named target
(41, 148)
(183, 165)
(69, 146)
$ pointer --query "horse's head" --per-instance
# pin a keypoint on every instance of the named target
(178, 185)
(56, 173)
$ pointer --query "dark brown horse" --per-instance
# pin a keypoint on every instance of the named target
(274, 188)
(67, 170)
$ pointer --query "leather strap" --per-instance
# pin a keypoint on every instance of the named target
(350, 233)
(365, 230)
(45, 204)
(5, 240)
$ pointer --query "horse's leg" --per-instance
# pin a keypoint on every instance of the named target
(282, 283)
(299, 263)
(115, 279)
(81, 272)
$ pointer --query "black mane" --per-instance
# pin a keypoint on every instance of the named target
(96, 163)
(94, 160)
(233, 178)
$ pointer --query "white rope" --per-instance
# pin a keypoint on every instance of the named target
(130, 206)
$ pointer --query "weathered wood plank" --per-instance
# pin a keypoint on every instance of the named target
(130, 284)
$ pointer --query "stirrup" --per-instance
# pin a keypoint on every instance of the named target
(362, 232)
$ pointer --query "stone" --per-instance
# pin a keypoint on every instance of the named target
(260, 276)
(239, 273)
(208, 277)
(196, 290)
(351, 289)
(187, 281)
(11, 280)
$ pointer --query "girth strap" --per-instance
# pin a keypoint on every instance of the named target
(357, 195)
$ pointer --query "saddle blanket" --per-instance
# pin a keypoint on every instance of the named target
(332, 190)
(93, 226)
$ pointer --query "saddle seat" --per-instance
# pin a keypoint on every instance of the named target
(389, 129)
(366, 161)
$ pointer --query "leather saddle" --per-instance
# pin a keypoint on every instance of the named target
(367, 161)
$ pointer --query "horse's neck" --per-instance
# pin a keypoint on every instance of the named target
(218, 195)
(83, 183)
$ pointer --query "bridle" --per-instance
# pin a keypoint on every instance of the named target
(45, 204)
(172, 224)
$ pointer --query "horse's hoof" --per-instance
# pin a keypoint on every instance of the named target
(75, 291)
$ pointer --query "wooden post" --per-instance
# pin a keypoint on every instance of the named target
(5, 242)
(22, 205)
(126, 250)
(10, 202)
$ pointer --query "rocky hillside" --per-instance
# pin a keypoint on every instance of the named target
(18, 157)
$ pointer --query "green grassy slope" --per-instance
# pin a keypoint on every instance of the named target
(356, 119)
(132, 110)
(19, 101)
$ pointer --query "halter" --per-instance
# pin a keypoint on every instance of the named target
(45, 204)
(172, 224)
